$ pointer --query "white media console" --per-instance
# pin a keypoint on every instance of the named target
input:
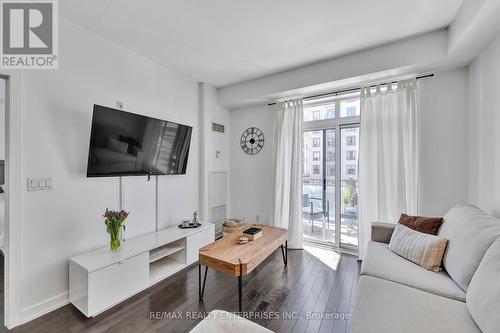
(100, 279)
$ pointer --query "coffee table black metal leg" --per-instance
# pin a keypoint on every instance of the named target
(240, 289)
(240, 286)
(284, 252)
(201, 290)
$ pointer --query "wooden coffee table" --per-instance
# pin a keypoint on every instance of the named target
(227, 256)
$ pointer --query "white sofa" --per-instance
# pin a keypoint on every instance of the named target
(396, 295)
(219, 321)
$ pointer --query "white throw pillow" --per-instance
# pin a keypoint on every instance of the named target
(422, 249)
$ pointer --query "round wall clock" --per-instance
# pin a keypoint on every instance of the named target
(252, 140)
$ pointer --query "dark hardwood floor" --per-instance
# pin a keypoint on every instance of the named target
(307, 285)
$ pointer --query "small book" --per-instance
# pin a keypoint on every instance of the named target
(252, 231)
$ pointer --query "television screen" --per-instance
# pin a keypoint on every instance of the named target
(124, 143)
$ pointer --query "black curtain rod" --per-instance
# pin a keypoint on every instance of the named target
(356, 89)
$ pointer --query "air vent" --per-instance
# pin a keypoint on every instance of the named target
(217, 128)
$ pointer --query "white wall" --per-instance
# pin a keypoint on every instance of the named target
(443, 173)
(251, 175)
(57, 108)
(484, 129)
(210, 111)
(443, 168)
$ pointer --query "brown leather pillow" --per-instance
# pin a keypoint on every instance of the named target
(427, 225)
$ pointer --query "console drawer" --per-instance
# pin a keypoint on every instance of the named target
(112, 284)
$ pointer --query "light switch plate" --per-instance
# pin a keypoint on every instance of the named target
(39, 183)
(32, 184)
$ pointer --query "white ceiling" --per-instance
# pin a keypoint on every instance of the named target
(227, 41)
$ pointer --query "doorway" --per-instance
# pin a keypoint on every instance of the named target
(330, 151)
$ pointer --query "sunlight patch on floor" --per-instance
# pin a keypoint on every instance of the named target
(328, 257)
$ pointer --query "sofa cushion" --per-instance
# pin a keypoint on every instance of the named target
(483, 295)
(385, 306)
(427, 225)
(422, 249)
(470, 232)
(381, 262)
(225, 322)
(382, 232)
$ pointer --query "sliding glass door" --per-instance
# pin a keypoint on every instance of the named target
(330, 170)
(318, 185)
(349, 185)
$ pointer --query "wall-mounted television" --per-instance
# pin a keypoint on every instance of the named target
(129, 144)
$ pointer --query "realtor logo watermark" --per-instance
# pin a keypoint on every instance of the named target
(29, 34)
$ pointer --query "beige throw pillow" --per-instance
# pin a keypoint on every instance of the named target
(423, 249)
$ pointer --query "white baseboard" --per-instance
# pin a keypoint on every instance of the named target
(44, 307)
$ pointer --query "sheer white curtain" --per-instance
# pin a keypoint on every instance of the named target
(388, 161)
(287, 170)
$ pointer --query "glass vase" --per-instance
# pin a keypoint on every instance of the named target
(115, 239)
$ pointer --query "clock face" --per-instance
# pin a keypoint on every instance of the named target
(252, 140)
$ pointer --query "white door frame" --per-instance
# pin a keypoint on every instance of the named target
(13, 197)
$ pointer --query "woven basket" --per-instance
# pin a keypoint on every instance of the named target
(236, 225)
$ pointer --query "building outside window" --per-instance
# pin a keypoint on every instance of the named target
(351, 140)
(350, 155)
(316, 142)
(330, 113)
(350, 108)
(331, 170)
(330, 157)
(316, 169)
(330, 142)
(350, 111)
(351, 169)
(315, 115)
(316, 156)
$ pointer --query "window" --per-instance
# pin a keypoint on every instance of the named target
(316, 156)
(350, 140)
(330, 156)
(350, 108)
(330, 142)
(350, 111)
(316, 111)
(351, 170)
(331, 170)
(316, 169)
(316, 142)
(350, 155)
